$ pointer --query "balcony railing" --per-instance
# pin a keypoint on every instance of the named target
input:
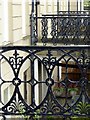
(74, 13)
(63, 69)
(64, 28)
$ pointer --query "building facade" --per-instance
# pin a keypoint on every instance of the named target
(23, 21)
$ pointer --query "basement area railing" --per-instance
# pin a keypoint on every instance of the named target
(45, 81)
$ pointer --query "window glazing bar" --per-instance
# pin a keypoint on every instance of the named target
(68, 6)
(77, 6)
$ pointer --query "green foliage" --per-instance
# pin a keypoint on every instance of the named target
(21, 110)
(72, 89)
(83, 108)
(53, 118)
(80, 118)
(61, 90)
(87, 5)
(58, 89)
(37, 116)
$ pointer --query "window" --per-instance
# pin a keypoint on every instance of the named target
(72, 71)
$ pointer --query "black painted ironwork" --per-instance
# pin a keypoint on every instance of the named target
(64, 28)
(54, 58)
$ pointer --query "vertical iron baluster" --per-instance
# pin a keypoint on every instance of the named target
(32, 86)
(54, 30)
(34, 39)
(44, 22)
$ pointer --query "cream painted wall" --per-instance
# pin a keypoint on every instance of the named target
(16, 26)
(17, 21)
(0, 23)
(25, 18)
(6, 21)
(0, 19)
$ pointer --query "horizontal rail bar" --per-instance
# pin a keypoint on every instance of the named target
(52, 16)
(47, 47)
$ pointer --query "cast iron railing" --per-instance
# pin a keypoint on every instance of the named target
(64, 28)
(75, 13)
(57, 63)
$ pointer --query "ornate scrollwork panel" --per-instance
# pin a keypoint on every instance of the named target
(57, 81)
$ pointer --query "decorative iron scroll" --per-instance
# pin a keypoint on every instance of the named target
(64, 28)
(54, 61)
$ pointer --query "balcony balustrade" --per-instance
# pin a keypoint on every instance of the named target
(65, 28)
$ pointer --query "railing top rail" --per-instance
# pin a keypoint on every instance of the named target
(65, 15)
(46, 47)
(75, 11)
(70, 13)
(53, 16)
